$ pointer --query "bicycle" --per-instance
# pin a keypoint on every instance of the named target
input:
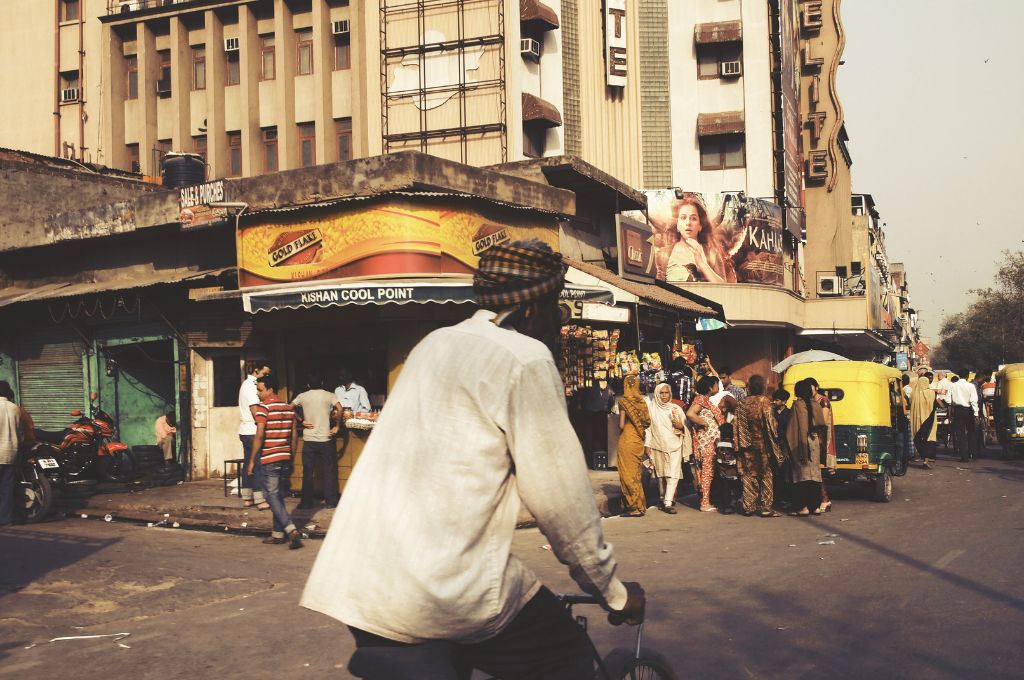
(636, 663)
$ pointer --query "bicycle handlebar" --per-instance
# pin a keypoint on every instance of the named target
(580, 598)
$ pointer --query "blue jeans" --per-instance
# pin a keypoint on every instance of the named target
(272, 477)
(252, 485)
(7, 486)
(324, 454)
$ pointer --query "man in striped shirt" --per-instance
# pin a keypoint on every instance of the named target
(272, 446)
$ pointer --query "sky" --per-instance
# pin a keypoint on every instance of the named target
(933, 92)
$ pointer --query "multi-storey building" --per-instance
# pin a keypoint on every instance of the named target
(263, 85)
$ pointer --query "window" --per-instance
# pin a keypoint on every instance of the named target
(270, 150)
(133, 76)
(235, 154)
(722, 152)
(307, 145)
(234, 73)
(268, 59)
(198, 68)
(304, 52)
(69, 10)
(342, 53)
(163, 86)
(69, 80)
(711, 56)
(227, 375)
(133, 157)
(345, 139)
(199, 146)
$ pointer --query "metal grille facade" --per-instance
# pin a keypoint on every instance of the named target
(50, 381)
(571, 117)
(655, 105)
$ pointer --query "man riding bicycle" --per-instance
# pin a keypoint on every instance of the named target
(419, 551)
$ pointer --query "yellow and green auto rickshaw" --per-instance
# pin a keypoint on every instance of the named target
(1009, 407)
(869, 415)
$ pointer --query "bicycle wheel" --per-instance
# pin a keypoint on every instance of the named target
(622, 664)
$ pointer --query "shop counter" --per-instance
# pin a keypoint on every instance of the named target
(350, 447)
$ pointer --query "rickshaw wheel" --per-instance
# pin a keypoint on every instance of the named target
(883, 486)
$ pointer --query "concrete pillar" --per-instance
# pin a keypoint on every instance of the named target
(112, 97)
(181, 85)
(323, 65)
(149, 74)
(365, 89)
(287, 135)
(249, 67)
(216, 74)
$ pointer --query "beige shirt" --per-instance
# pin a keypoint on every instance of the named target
(420, 545)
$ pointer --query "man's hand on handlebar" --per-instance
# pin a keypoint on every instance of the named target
(636, 605)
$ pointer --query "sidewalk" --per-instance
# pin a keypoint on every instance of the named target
(203, 505)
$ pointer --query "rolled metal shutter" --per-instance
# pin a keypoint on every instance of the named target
(50, 382)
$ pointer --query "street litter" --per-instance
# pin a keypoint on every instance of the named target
(176, 525)
(123, 645)
(845, 519)
(546, 546)
(84, 516)
(149, 524)
(108, 518)
(828, 542)
(167, 514)
(781, 628)
(310, 527)
(792, 545)
(831, 535)
(245, 524)
(31, 646)
(305, 535)
(116, 636)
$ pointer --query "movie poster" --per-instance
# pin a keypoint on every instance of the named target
(721, 238)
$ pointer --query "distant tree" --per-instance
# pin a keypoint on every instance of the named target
(991, 330)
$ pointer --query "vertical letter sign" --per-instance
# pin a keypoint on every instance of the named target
(615, 42)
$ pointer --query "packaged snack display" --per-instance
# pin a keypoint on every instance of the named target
(587, 356)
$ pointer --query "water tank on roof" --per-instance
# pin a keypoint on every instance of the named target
(182, 170)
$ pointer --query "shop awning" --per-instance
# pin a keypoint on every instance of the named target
(540, 111)
(726, 123)
(626, 291)
(718, 32)
(52, 291)
(537, 14)
(383, 292)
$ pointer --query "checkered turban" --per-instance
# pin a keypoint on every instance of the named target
(512, 274)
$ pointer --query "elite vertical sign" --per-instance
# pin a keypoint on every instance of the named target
(615, 42)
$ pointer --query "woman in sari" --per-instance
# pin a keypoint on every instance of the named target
(667, 438)
(706, 417)
(634, 419)
(756, 444)
(807, 437)
(923, 424)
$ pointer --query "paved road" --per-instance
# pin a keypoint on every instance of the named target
(928, 586)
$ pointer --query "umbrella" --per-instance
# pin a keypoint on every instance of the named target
(806, 358)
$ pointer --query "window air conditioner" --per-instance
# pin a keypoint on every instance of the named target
(340, 27)
(230, 44)
(829, 285)
(529, 47)
(69, 94)
(730, 69)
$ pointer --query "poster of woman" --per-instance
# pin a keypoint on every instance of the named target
(722, 238)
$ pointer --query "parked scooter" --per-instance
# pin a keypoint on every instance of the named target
(34, 493)
(84, 452)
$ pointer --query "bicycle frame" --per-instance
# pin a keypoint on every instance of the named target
(570, 600)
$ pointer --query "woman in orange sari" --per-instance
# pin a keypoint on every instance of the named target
(634, 419)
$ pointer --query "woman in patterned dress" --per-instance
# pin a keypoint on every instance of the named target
(706, 417)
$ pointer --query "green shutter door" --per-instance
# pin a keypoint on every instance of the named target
(50, 383)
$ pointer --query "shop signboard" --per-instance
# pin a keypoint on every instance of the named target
(396, 237)
(902, 361)
(636, 256)
(194, 211)
(615, 58)
(718, 238)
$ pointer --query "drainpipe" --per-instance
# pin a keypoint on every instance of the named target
(56, 78)
(81, 82)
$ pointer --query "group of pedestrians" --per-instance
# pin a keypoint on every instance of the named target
(779, 450)
(963, 401)
(268, 432)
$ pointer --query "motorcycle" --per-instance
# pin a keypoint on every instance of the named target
(84, 452)
(33, 488)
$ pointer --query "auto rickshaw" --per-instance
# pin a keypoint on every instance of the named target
(1009, 408)
(868, 414)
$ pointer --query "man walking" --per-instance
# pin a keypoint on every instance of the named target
(272, 446)
(964, 401)
(248, 399)
(313, 407)
(10, 439)
(479, 408)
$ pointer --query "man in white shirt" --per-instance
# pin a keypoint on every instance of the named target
(964, 400)
(408, 561)
(248, 399)
(349, 394)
